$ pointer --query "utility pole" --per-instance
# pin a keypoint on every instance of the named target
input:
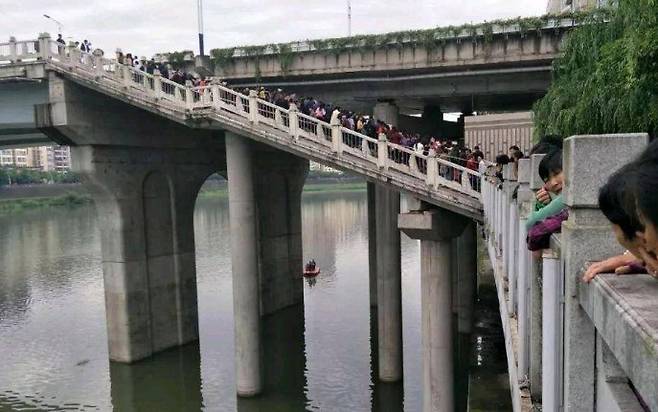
(349, 18)
(200, 19)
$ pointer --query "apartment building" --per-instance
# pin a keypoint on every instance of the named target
(45, 158)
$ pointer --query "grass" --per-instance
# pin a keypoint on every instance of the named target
(310, 188)
(20, 205)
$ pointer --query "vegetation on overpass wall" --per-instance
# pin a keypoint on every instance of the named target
(429, 39)
(607, 79)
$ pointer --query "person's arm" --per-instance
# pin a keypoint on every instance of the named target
(551, 209)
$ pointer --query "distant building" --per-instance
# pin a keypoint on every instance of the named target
(563, 6)
(44, 158)
(322, 168)
(495, 133)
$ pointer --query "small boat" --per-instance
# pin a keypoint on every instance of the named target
(311, 273)
(311, 269)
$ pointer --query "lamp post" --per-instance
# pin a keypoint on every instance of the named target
(200, 19)
(59, 25)
(349, 18)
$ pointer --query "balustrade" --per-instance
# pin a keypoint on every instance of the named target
(431, 171)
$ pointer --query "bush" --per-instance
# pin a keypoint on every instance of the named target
(607, 79)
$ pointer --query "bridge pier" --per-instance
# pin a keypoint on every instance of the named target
(145, 202)
(266, 246)
(436, 230)
(389, 285)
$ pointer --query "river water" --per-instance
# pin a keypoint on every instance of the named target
(53, 342)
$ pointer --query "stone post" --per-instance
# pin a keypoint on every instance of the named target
(511, 245)
(586, 236)
(293, 121)
(436, 229)
(127, 74)
(13, 53)
(535, 299)
(432, 171)
(253, 106)
(389, 284)
(189, 94)
(524, 204)
(382, 152)
(157, 84)
(44, 45)
(98, 62)
(336, 137)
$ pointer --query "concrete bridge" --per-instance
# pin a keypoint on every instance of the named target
(145, 145)
(499, 68)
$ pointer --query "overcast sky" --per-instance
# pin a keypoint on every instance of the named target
(149, 26)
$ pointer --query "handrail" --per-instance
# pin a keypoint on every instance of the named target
(217, 97)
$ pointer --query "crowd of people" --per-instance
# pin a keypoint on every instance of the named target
(628, 200)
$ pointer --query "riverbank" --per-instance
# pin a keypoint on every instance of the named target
(221, 190)
(8, 206)
(16, 199)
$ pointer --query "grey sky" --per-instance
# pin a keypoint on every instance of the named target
(149, 26)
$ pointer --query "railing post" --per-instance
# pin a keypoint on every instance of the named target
(337, 137)
(293, 121)
(432, 171)
(127, 76)
(13, 54)
(524, 200)
(44, 45)
(512, 232)
(551, 331)
(278, 120)
(189, 95)
(382, 152)
(157, 84)
(253, 106)
(216, 101)
(98, 62)
(413, 166)
(586, 236)
(535, 298)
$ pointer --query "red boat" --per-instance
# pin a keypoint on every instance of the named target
(311, 270)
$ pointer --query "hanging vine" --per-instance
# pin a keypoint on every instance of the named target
(430, 39)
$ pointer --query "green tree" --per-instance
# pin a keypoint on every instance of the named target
(607, 79)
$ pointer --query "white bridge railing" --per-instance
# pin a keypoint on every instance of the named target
(202, 101)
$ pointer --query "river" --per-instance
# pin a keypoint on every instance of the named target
(53, 342)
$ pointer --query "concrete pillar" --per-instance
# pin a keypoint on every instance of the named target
(145, 202)
(466, 256)
(387, 112)
(436, 229)
(244, 260)
(389, 285)
(265, 213)
(372, 243)
(586, 236)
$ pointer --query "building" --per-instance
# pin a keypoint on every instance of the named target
(563, 6)
(495, 133)
(44, 158)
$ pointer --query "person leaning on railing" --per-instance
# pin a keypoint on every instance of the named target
(629, 200)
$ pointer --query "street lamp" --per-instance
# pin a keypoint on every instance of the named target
(59, 25)
(200, 19)
(349, 18)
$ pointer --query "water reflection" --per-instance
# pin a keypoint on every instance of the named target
(318, 357)
(169, 381)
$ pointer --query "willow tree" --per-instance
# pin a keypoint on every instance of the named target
(607, 79)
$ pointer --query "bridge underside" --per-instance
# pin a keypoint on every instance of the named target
(18, 96)
(496, 88)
